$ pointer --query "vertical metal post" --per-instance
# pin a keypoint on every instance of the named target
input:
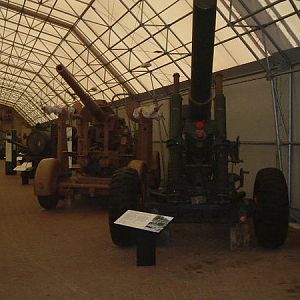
(162, 152)
(275, 110)
(290, 146)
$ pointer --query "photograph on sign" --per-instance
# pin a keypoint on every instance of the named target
(158, 223)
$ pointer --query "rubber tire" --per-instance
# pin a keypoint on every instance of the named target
(271, 214)
(125, 193)
(48, 202)
(37, 142)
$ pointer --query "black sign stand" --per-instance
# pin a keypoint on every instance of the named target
(147, 227)
(145, 248)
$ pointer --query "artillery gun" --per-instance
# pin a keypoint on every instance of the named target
(200, 186)
(104, 144)
(40, 144)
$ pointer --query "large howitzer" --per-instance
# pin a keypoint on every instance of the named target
(200, 186)
(103, 144)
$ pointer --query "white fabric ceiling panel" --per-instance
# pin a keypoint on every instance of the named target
(125, 46)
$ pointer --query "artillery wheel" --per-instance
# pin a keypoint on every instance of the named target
(37, 142)
(45, 182)
(48, 202)
(125, 189)
(271, 215)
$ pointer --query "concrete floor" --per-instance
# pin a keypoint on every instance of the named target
(67, 254)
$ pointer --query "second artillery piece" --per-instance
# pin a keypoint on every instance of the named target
(104, 144)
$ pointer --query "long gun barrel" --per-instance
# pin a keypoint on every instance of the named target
(89, 103)
(16, 143)
(204, 19)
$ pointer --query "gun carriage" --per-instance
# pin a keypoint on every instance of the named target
(201, 187)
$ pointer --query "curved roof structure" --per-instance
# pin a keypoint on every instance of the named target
(120, 47)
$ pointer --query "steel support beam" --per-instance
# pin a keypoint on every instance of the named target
(291, 136)
(276, 121)
(38, 75)
(273, 45)
(77, 33)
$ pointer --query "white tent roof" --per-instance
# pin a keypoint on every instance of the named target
(125, 46)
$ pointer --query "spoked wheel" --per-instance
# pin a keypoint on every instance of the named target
(125, 189)
(271, 214)
(48, 202)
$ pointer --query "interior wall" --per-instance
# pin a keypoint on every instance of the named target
(250, 116)
(296, 138)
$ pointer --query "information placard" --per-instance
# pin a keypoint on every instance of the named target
(144, 221)
(26, 166)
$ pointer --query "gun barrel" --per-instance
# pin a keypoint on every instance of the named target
(204, 20)
(87, 100)
(16, 143)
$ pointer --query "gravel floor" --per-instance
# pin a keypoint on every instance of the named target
(68, 254)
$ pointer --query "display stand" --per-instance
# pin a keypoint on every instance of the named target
(145, 248)
(25, 169)
(147, 226)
